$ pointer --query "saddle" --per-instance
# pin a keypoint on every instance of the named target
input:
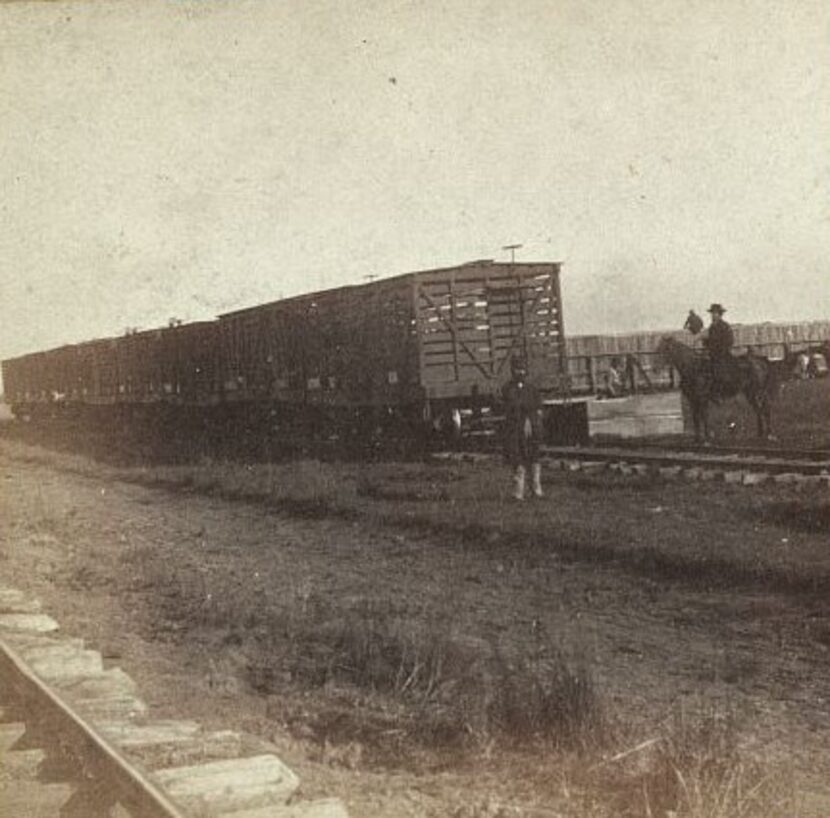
(725, 376)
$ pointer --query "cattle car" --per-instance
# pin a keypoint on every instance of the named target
(421, 344)
(176, 366)
(40, 381)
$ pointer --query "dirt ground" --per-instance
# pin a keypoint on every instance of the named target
(674, 598)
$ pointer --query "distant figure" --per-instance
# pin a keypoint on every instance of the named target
(523, 429)
(615, 380)
(817, 368)
(718, 342)
(694, 323)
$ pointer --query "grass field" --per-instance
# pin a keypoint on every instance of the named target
(424, 617)
(627, 646)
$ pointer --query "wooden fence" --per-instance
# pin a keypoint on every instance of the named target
(590, 356)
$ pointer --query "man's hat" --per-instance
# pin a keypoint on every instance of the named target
(717, 308)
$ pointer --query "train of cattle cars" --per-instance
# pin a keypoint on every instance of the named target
(417, 346)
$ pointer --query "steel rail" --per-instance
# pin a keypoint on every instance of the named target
(733, 461)
(103, 766)
(784, 452)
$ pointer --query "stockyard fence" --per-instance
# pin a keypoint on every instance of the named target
(590, 356)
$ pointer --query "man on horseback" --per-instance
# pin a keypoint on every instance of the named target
(752, 376)
(718, 342)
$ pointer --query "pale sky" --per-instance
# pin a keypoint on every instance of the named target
(189, 158)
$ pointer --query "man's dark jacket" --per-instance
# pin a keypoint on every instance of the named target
(523, 426)
(720, 340)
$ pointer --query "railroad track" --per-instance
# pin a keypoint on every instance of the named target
(742, 449)
(77, 742)
(749, 465)
(777, 462)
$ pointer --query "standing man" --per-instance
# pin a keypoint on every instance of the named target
(523, 429)
(718, 342)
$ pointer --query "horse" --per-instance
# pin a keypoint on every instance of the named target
(752, 376)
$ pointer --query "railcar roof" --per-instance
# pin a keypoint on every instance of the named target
(381, 282)
(108, 339)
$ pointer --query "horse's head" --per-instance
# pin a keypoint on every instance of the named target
(664, 353)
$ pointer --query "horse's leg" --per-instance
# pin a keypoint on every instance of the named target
(770, 389)
(754, 402)
(704, 417)
(763, 415)
(760, 411)
(767, 412)
(700, 414)
(695, 406)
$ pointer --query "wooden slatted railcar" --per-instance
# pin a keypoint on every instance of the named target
(191, 374)
(175, 365)
(40, 379)
(423, 341)
(420, 345)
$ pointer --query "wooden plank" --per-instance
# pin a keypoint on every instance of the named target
(225, 786)
(52, 656)
(168, 743)
(33, 799)
(508, 330)
(111, 708)
(507, 342)
(202, 748)
(8, 714)
(112, 682)
(10, 734)
(435, 340)
(489, 273)
(127, 734)
(441, 373)
(505, 303)
(473, 333)
(324, 808)
(14, 601)
(36, 623)
(64, 663)
(21, 765)
(23, 642)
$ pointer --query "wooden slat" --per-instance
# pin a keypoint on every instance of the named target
(324, 808)
(14, 601)
(33, 799)
(237, 784)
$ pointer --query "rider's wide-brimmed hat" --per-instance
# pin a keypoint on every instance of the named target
(718, 308)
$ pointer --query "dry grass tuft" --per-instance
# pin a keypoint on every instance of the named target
(696, 769)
